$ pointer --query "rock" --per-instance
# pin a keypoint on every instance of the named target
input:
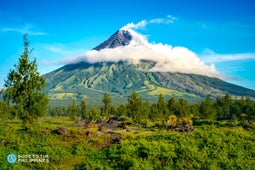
(101, 122)
(112, 123)
(115, 137)
(102, 128)
(92, 125)
(98, 133)
(88, 133)
(79, 132)
(4, 142)
(79, 123)
(123, 125)
(185, 127)
(62, 131)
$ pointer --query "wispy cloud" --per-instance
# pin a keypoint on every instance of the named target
(167, 20)
(142, 24)
(63, 50)
(60, 51)
(212, 57)
(27, 29)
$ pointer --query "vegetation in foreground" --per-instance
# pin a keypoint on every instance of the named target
(207, 147)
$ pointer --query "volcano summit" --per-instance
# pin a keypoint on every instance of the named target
(119, 38)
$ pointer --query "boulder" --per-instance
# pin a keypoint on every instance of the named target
(4, 142)
(62, 131)
(92, 125)
(79, 123)
(112, 123)
(115, 137)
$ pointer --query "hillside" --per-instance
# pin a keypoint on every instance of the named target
(91, 81)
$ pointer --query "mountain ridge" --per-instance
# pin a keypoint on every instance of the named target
(91, 81)
(119, 79)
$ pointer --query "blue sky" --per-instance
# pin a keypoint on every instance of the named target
(220, 32)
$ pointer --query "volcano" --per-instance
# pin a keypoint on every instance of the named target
(91, 80)
(119, 38)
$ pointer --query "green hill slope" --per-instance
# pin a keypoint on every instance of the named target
(91, 81)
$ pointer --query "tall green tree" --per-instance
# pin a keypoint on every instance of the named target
(249, 108)
(144, 110)
(194, 110)
(173, 106)
(207, 109)
(121, 110)
(154, 113)
(24, 88)
(162, 109)
(184, 108)
(72, 110)
(223, 107)
(84, 109)
(134, 106)
(107, 100)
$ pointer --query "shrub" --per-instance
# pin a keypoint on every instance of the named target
(172, 121)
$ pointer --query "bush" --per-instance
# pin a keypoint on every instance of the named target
(206, 148)
(172, 121)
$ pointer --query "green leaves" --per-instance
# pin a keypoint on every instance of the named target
(134, 106)
(107, 100)
(24, 88)
(207, 109)
(206, 148)
(83, 109)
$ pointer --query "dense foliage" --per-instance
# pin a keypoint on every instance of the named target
(208, 147)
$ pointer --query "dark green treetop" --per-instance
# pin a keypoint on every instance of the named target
(134, 106)
(84, 109)
(107, 100)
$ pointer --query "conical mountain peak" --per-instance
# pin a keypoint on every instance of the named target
(119, 38)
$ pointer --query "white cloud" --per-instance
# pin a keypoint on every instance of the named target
(142, 24)
(139, 25)
(168, 20)
(59, 51)
(212, 57)
(24, 30)
(167, 58)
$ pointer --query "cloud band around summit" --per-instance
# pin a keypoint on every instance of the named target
(167, 58)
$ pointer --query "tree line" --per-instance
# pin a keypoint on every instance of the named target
(222, 108)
